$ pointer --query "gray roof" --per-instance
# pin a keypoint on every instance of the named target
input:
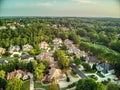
(92, 59)
(106, 67)
(1, 61)
(25, 56)
(6, 59)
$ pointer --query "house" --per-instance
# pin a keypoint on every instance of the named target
(12, 27)
(73, 49)
(3, 27)
(27, 58)
(44, 45)
(68, 42)
(57, 42)
(14, 49)
(2, 51)
(56, 74)
(91, 60)
(105, 68)
(1, 61)
(27, 47)
(17, 73)
(47, 56)
(6, 60)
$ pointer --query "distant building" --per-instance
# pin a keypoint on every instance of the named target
(6, 60)
(57, 42)
(12, 27)
(27, 47)
(3, 27)
(17, 73)
(26, 58)
(44, 45)
(14, 49)
(2, 51)
(105, 68)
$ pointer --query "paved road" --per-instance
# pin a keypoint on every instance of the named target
(80, 73)
(31, 81)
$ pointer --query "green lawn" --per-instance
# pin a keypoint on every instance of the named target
(39, 85)
(102, 47)
(26, 85)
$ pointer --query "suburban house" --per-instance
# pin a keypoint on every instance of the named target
(44, 45)
(73, 49)
(3, 27)
(27, 47)
(27, 58)
(47, 56)
(17, 73)
(56, 74)
(57, 42)
(105, 68)
(91, 60)
(68, 42)
(12, 27)
(14, 49)
(2, 51)
(6, 60)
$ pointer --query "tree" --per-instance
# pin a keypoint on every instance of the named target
(54, 86)
(87, 67)
(58, 54)
(2, 74)
(77, 61)
(112, 86)
(89, 84)
(3, 83)
(39, 71)
(63, 60)
(14, 84)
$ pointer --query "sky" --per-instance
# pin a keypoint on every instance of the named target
(78, 8)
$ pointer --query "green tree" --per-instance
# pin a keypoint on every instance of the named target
(112, 86)
(54, 86)
(77, 61)
(89, 84)
(3, 83)
(2, 74)
(14, 84)
(87, 67)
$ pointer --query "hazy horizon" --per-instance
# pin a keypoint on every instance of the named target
(60, 8)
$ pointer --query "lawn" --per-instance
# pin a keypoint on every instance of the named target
(39, 85)
(26, 85)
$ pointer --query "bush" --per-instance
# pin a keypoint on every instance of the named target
(71, 85)
(68, 79)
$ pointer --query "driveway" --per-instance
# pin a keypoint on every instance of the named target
(79, 72)
(31, 81)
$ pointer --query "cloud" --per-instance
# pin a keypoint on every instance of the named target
(85, 1)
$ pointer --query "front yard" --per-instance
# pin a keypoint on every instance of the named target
(39, 85)
(26, 85)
